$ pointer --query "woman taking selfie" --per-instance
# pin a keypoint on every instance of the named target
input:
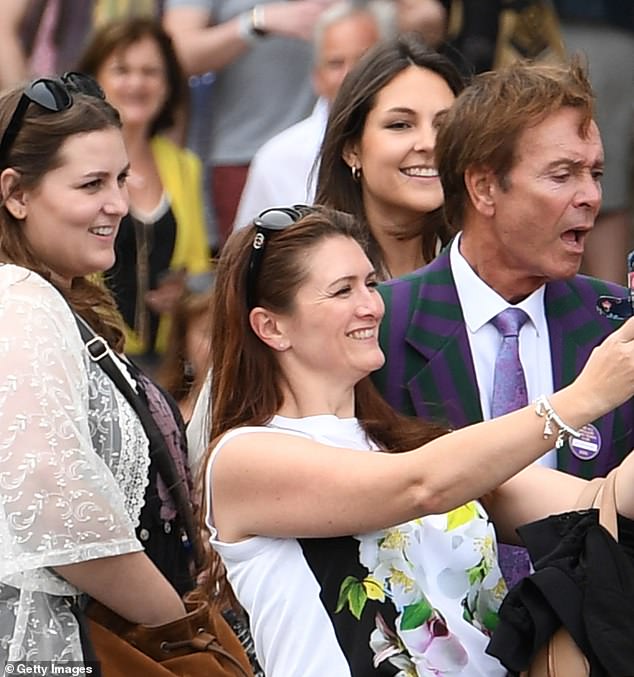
(349, 558)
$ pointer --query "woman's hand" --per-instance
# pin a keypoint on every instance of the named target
(607, 380)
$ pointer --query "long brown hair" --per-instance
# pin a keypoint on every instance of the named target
(36, 151)
(336, 187)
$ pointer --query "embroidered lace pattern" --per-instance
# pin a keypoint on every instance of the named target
(115, 432)
(73, 468)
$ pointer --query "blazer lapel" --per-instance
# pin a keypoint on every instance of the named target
(442, 384)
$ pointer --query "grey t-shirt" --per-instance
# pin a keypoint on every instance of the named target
(265, 90)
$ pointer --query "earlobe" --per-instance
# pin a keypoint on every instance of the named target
(480, 184)
(13, 197)
(350, 156)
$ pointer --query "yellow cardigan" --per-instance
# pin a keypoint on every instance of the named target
(180, 171)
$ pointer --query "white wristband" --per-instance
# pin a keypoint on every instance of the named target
(257, 19)
(245, 28)
(250, 25)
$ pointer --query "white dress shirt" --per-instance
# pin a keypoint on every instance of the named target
(480, 304)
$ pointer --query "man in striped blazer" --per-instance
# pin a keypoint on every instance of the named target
(520, 160)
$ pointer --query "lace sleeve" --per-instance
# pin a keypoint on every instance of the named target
(60, 501)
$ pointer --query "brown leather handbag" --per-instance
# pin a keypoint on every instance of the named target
(201, 644)
(561, 657)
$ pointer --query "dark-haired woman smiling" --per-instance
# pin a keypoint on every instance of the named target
(377, 157)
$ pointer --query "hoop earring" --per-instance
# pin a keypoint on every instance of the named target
(356, 173)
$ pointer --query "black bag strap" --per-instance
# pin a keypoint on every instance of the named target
(100, 352)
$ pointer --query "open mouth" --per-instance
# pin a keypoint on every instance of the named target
(575, 237)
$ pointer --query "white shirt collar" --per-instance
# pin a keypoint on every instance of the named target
(480, 303)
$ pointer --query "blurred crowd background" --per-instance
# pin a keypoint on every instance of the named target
(207, 101)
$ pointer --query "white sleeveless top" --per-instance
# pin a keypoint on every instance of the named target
(420, 598)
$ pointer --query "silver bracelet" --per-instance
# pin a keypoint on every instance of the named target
(543, 408)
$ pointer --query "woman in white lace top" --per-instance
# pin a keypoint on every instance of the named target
(74, 461)
(351, 561)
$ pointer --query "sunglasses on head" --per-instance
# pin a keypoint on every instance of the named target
(269, 221)
(53, 95)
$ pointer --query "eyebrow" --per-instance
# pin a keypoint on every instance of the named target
(96, 174)
(100, 173)
(401, 109)
(573, 163)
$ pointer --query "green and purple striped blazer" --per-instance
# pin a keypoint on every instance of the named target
(429, 370)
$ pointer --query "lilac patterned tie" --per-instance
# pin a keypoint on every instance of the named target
(509, 394)
(509, 384)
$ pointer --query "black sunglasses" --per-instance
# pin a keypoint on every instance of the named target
(269, 221)
(53, 95)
